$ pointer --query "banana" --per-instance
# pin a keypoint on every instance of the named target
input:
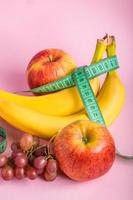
(62, 103)
(33, 122)
(111, 97)
(65, 102)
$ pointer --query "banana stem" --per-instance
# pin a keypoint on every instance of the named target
(111, 47)
(111, 51)
(99, 50)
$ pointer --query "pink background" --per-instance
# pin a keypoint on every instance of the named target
(29, 26)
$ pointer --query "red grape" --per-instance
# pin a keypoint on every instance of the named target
(16, 154)
(7, 172)
(40, 162)
(36, 141)
(26, 142)
(39, 171)
(20, 161)
(50, 176)
(31, 173)
(51, 166)
(3, 160)
(19, 172)
(15, 147)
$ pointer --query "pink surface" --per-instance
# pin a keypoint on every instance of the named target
(29, 26)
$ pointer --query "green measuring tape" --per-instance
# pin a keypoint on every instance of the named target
(87, 95)
(3, 143)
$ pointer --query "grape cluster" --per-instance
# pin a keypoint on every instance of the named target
(29, 159)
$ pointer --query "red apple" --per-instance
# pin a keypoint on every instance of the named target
(84, 150)
(47, 66)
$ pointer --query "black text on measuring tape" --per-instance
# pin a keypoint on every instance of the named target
(87, 96)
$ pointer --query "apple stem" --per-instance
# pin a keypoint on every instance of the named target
(49, 56)
(85, 139)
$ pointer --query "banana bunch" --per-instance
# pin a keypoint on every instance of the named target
(45, 115)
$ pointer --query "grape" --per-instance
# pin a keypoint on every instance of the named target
(51, 166)
(39, 171)
(7, 172)
(16, 154)
(26, 142)
(15, 147)
(31, 173)
(40, 162)
(20, 161)
(40, 152)
(36, 141)
(50, 176)
(19, 172)
(3, 160)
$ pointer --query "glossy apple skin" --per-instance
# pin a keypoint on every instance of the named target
(47, 66)
(84, 150)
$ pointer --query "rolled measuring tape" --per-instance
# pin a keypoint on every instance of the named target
(3, 141)
(80, 78)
